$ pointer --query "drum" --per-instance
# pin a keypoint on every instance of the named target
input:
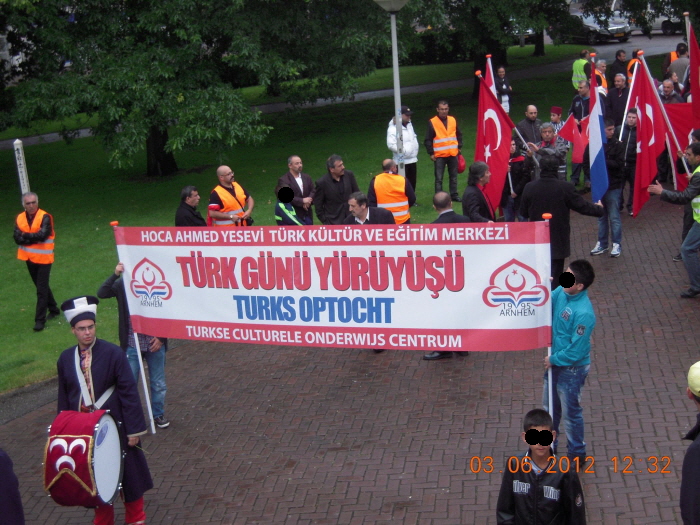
(83, 460)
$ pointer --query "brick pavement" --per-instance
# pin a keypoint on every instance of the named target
(264, 434)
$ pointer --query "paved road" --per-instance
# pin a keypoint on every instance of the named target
(265, 434)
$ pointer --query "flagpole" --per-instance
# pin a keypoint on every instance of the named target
(550, 387)
(627, 104)
(687, 29)
(640, 55)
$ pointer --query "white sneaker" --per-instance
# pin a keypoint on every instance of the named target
(598, 249)
(616, 250)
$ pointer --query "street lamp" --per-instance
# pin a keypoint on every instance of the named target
(393, 7)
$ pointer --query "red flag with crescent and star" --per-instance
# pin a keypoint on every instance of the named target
(493, 135)
(694, 77)
(651, 133)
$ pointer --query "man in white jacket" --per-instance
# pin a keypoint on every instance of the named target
(410, 145)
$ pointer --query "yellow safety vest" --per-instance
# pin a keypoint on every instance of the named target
(578, 73)
(445, 142)
(39, 253)
(232, 205)
(391, 195)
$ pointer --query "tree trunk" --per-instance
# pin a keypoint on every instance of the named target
(158, 161)
(539, 44)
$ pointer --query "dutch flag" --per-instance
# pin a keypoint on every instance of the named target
(596, 152)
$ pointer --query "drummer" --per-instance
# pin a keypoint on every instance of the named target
(104, 366)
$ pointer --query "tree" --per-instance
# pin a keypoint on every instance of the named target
(164, 75)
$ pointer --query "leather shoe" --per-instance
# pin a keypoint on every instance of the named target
(456, 199)
(53, 315)
(435, 355)
(38, 326)
(378, 350)
(688, 294)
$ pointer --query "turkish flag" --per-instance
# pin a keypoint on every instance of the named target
(681, 118)
(570, 132)
(651, 133)
(694, 78)
(493, 136)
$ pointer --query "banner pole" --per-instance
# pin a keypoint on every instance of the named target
(550, 404)
(142, 372)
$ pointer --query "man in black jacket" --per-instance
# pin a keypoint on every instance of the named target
(548, 194)
(616, 101)
(362, 213)
(187, 214)
(333, 191)
(629, 144)
(614, 162)
(303, 188)
(691, 244)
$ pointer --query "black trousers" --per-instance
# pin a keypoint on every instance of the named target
(688, 220)
(451, 163)
(412, 173)
(40, 274)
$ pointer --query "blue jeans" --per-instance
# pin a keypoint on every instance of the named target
(568, 382)
(156, 375)
(611, 215)
(689, 252)
(510, 213)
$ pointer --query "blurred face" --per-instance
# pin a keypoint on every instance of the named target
(539, 451)
(443, 110)
(583, 89)
(609, 131)
(501, 72)
(547, 134)
(513, 147)
(295, 165)
(193, 199)
(531, 113)
(622, 57)
(84, 332)
(619, 82)
(405, 118)
(555, 117)
(574, 288)
(631, 120)
(674, 77)
(338, 169)
(31, 204)
(668, 87)
(693, 160)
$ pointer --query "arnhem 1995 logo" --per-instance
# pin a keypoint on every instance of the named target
(516, 288)
(149, 285)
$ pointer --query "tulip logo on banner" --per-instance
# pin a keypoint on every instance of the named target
(516, 288)
(148, 284)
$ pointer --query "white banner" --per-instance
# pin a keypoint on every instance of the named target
(476, 287)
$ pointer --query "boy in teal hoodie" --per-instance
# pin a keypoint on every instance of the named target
(573, 320)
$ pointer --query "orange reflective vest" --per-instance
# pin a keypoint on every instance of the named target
(603, 80)
(39, 253)
(445, 142)
(630, 66)
(674, 56)
(391, 195)
(232, 205)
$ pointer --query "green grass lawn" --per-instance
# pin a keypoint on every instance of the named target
(76, 184)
